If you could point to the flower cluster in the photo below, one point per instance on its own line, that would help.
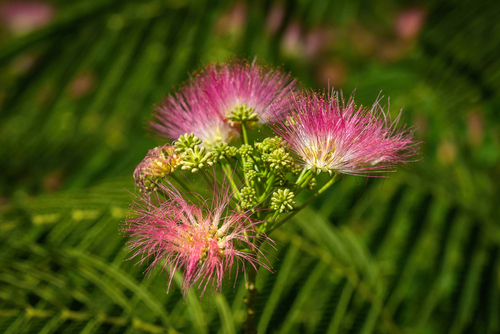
(214, 102)
(210, 119)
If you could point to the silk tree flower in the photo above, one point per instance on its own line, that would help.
(21, 17)
(189, 111)
(244, 91)
(203, 241)
(159, 162)
(332, 136)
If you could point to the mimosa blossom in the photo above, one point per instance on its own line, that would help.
(203, 241)
(327, 134)
(241, 84)
(189, 111)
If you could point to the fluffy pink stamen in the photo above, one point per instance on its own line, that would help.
(239, 82)
(203, 241)
(330, 135)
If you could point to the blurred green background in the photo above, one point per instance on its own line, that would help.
(415, 253)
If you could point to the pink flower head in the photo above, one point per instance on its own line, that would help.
(331, 136)
(25, 16)
(201, 240)
(159, 162)
(189, 111)
(205, 103)
(239, 83)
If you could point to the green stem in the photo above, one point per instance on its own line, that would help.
(227, 171)
(306, 203)
(308, 176)
(301, 175)
(250, 298)
(304, 178)
(270, 183)
(244, 131)
(243, 158)
(271, 219)
(182, 184)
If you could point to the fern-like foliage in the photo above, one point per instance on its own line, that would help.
(417, 253)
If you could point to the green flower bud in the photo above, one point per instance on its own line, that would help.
(245, 150)
(251, 174)
(268, 145)
(242, 113)
(296, 170)
(248, 197)
(248, 165)
(196, 158)
(223, 151)
(312, 184)
(280, 159)
(281, 180)
(283, 200)
(186, 141)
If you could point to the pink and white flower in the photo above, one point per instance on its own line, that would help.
(22, 17)
(205, 103)
(203, 240)
(190, 111)
(327, 134)
(253, 85)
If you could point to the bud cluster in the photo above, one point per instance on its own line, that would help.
(194, 159)
(248, 198)
(242, 113)
(283, 200)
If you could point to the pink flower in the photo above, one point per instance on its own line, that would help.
(238, 83)
(409, 22)
(202, 240)
(159, 162)
(205, 103)
(190, 111)
(25, 16)
(331, 136)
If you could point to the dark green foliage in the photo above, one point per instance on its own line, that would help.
(416, 253)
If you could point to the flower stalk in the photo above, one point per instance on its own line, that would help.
(249, 300)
